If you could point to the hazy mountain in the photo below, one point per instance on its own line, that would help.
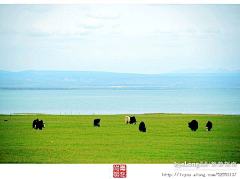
(207, 70)
(78, 79)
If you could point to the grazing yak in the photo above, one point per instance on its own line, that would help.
(34, 125)
(127, 119)
(96, 122)
(209, 126)
(130, 120)
(193, 125)
(142, 127)
(38, 124)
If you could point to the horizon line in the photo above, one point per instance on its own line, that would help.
(171, 72)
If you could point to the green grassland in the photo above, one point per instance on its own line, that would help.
(73, 139)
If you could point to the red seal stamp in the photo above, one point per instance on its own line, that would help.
(119, 171)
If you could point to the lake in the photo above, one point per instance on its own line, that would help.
(220, 101)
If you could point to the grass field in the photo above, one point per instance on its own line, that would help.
(73, 139)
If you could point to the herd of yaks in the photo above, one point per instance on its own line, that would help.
(128, 120)
(193, 125)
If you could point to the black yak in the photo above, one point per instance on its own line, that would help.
(193, 125)
(208, 126)
(132, 120)
(96, 122)
(34, 125)
(142, 127)
(38, 124)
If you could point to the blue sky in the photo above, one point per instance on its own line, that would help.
(119, 38)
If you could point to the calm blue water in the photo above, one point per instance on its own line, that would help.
(120, 101)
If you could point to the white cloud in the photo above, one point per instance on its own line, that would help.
(211, 30)
(5, 30)
(37, 33)
(39, 8)
(176, 30)
(82, 32)
(90, 23)
(103, 14)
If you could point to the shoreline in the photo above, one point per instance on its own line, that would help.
(160, 88)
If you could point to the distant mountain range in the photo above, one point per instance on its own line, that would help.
(203, 79)
(207, 70)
